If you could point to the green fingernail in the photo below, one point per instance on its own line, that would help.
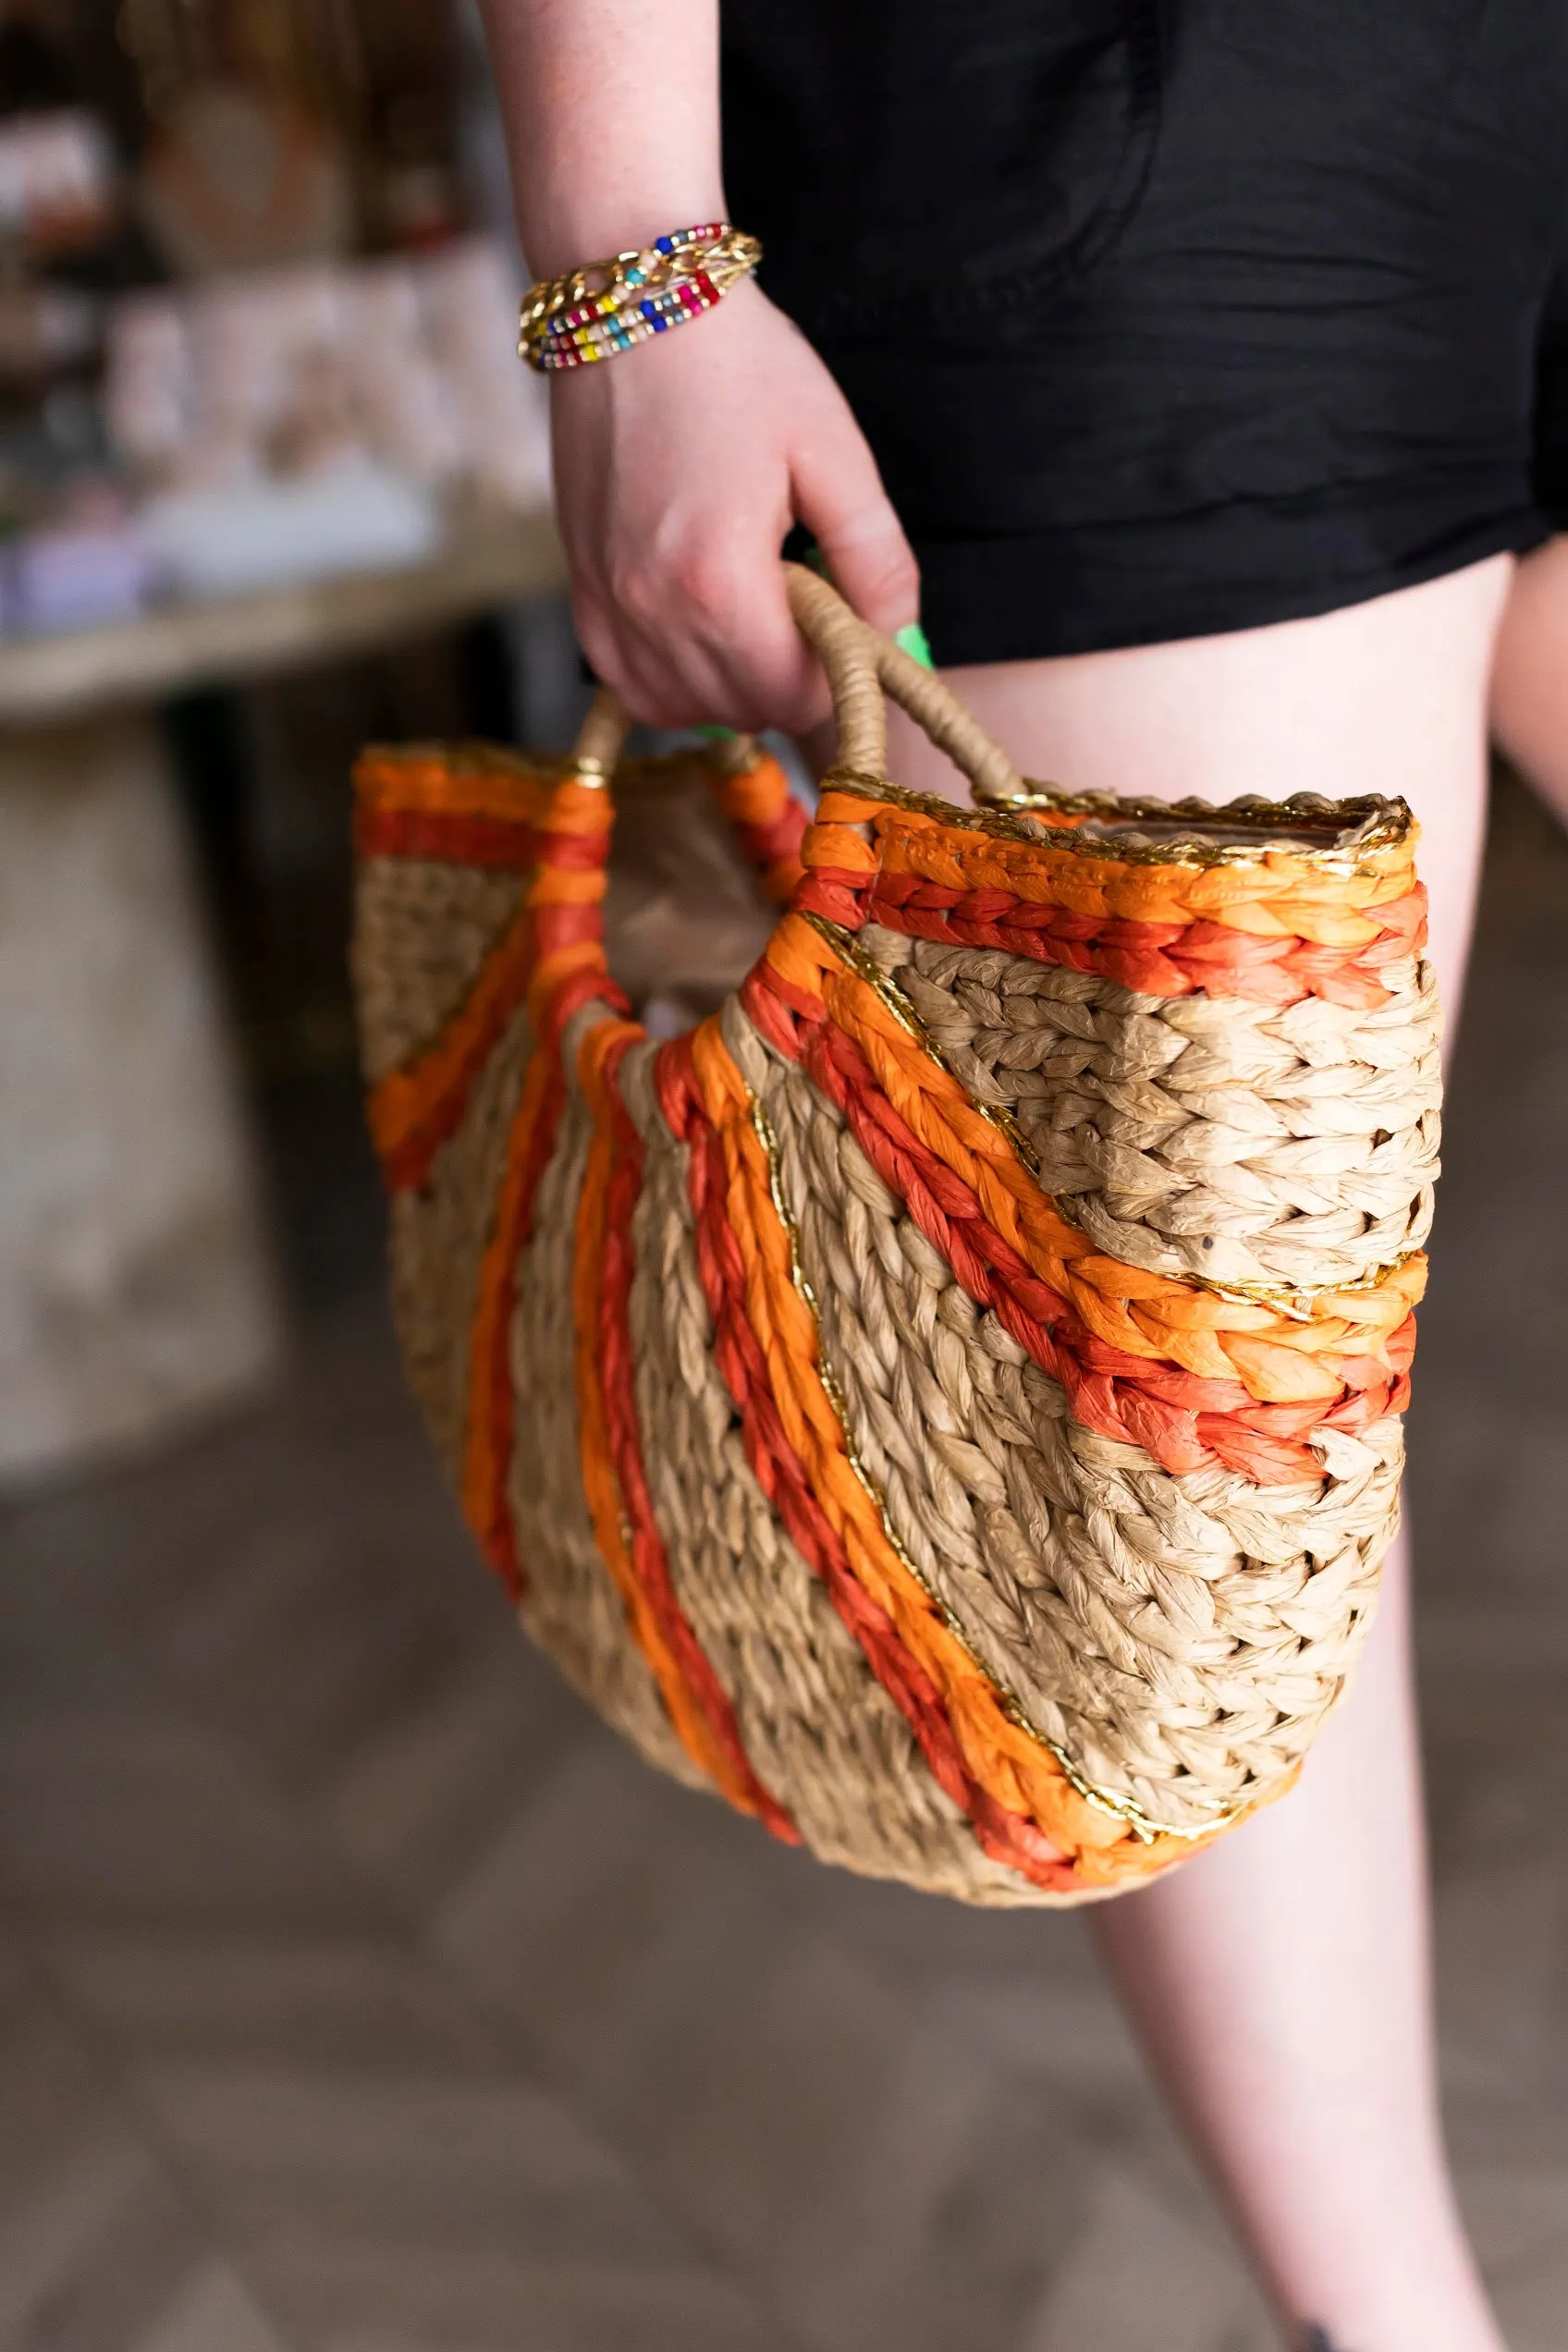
(816, 561)
(910, 640)
(715, 734)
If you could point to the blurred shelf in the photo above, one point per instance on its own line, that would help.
(223, 642)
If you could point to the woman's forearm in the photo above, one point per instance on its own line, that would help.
(681, 466)
(611, 113)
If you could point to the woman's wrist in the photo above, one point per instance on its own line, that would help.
(612, 118)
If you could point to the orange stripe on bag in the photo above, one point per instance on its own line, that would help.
(770, 822)
(1006, 1837)
(783, 1477)
(413, 1112)
(1147, 1315)
(1012, 1767)
(488, 1445)
(631, 1549)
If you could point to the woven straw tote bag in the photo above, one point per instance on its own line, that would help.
(946, 1402)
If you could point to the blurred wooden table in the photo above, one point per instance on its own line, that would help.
(135, 1277)
(47, 681)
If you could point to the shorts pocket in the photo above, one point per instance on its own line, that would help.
(916, 163)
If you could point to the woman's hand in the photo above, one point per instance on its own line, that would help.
(679, 467)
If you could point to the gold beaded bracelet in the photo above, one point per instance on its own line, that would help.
(594, 313)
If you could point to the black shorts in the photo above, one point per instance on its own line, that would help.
(1165, 317)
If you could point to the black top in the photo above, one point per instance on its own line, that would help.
(1165, 317)
(911, 160)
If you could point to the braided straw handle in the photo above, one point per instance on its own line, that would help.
(863, 666)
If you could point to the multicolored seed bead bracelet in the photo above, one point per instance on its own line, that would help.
(592, 313)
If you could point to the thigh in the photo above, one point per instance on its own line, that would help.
(1530, 683)
(1388, 696)
(1530, 676)
(1549, 451)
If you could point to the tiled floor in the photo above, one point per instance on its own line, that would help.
(358, 1994)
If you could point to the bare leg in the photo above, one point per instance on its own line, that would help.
(1280, 1982)
(1280, 1985)
(1530, 678)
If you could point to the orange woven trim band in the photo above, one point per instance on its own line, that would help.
(1152, 1314)
(488, 1445)
(432, 783)
(414, 1110)
(1155, 1314)
(507, 844)
(1280, 1359)
(770, 822)
(1183, 1423)
(565, 895)
(1157, 959)
(1276, 896)
(1025, 1811)
(1085, 1320)
(480, 808)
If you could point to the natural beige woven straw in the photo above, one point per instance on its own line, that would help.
(946, 1398)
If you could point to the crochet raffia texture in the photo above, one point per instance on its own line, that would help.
(845, 1388)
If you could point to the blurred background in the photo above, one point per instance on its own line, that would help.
(272, 481)
(358, 1993)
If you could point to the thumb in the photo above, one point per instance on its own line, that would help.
(838, 494)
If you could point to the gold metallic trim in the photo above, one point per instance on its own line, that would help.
(1122, 1808)
(1355, 831)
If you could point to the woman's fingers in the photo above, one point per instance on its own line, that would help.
(712, 650)
(700, 635)
(838, 494)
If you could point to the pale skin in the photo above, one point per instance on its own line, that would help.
(1281, 1983)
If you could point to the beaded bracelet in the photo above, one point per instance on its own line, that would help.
(594, 313)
